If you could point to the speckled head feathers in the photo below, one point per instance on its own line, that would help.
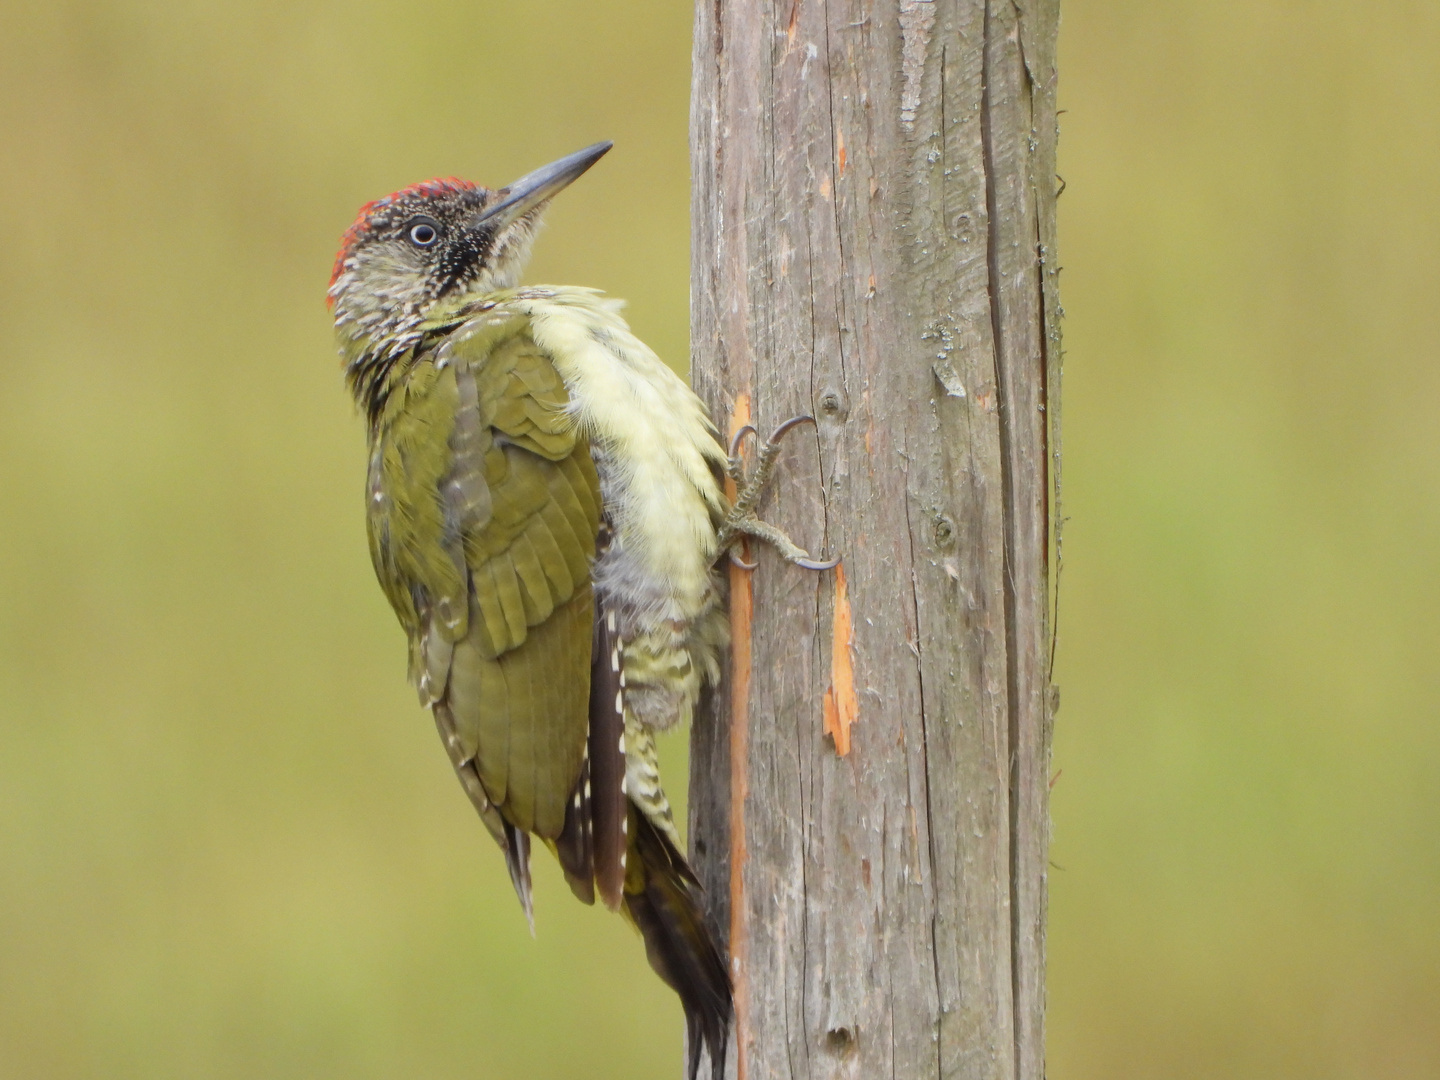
(405, 203)
(436, 239)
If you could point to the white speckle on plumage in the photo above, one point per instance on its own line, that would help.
(577, 800)
(622, 744)
(587, 789)
(624, 788)
(615, 662)
(620, 708)
(610, 621)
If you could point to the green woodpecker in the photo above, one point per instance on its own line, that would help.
(545, 515)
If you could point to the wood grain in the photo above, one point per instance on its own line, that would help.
(873, 229)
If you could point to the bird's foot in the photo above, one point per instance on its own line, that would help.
(742, 521)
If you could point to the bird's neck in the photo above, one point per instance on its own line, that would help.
(374, 366)
(378, 354)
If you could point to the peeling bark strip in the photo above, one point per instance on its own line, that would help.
(917, 18)
(873, 244)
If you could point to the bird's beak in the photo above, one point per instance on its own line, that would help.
(534, 188)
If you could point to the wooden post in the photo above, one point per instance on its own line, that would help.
(874, 220)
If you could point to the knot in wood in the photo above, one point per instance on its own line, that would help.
(944, 532)
(840, 1041)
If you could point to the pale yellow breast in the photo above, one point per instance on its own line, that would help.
(664, 499)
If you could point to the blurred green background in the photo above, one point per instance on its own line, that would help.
(230, 845)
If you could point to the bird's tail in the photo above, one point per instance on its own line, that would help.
(664, 900)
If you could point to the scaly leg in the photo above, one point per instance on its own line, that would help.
(742, 520)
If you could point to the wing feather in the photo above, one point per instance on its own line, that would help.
(483, 535)
(576, 562)
(535, 586)
(557, 570)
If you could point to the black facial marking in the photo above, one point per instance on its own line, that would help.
(437, 229)
(460, 257)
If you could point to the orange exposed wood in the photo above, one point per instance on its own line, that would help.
(742, 607)
(841, 708)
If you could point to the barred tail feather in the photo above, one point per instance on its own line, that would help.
(606, 754)
(591, 846)
(575, 846)
(663, 899)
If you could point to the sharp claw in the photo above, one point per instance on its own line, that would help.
(743, 520)
(739, 437)
(794, 422)
(741, 563)
(813, 564)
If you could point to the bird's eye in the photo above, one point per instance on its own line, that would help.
(422, 233)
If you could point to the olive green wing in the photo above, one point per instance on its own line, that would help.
(485, 506)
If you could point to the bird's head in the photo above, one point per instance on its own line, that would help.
(436, 240)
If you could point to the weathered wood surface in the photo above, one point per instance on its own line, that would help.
(873, 223)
